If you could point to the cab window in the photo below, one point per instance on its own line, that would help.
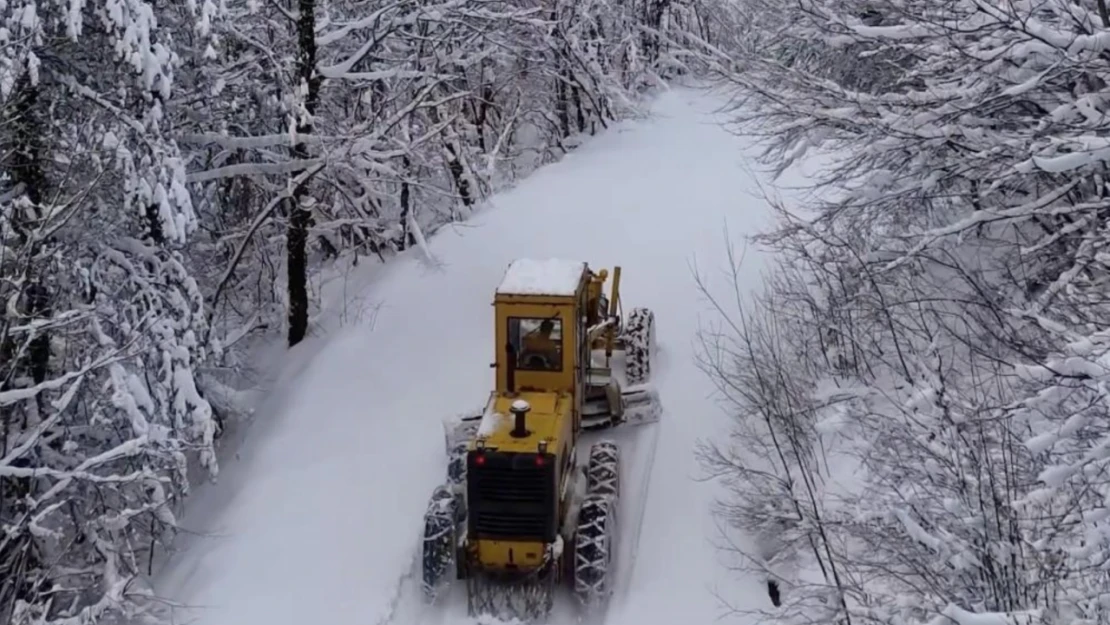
(537, 343)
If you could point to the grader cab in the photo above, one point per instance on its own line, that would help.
(520, 514)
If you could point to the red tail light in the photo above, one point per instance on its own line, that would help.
(479, 460)
(539, 461)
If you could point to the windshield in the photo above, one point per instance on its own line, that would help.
(537, 342)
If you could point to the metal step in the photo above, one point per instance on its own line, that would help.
(598, 376)
(593, 407)
(597, 422)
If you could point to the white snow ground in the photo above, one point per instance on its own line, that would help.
(317, 517)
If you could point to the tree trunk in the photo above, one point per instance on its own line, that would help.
(452, 149)
(581, 116)
(299, 215)
(562, 106)
(20, 560)
(407, 239)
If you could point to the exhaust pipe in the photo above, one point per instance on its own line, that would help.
(519, 409)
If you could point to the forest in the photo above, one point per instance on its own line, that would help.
(919, 393)
(174, 175)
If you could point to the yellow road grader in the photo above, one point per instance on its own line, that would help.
(520, 514)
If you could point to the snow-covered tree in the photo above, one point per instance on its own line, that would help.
(102, 321)
(409, 116)
(941, 305)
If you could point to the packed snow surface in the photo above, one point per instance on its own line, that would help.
(316, 517)
(552, 276)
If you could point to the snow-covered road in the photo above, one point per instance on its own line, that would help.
(318, 517)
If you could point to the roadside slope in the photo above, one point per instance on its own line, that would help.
(320, 515)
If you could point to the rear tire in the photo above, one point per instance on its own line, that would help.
(595, 533)
(594, 543)
(639, 340)
(441, 521)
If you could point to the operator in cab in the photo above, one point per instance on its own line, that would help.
(541, 351)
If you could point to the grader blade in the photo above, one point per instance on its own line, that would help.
(641, 406)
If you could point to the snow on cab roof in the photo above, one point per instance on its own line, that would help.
(552, 276)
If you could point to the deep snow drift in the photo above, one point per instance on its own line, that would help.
(317, 517)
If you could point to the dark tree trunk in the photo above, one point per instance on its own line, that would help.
(458, 174)
(481, 115)
(407, 238)
(20, 562)
(27, 169)
(654, 10)
(454, 163)
(578, 108)
(773, 593)
(562, 106)
(299, 218)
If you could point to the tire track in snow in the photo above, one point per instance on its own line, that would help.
(627, 565)
(404, 582)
